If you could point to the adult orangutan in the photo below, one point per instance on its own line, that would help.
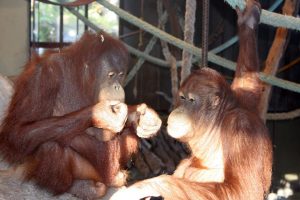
(65, 103)
(231, 155)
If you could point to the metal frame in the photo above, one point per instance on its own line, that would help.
(34, 43)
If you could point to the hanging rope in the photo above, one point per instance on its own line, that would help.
(169, 58)
(189, 29)
(222, 62)
(181, 44)
(205, 32)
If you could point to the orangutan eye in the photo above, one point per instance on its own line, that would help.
(181, 95)
(111, 74)
(121, 74)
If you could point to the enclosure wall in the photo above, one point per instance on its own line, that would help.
(13, 36)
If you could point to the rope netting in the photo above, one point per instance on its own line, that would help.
(267, 17)
(198, 51)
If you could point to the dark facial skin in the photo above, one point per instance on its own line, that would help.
(108, 88)
(112, 89)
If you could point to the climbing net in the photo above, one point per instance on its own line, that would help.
(267, 17)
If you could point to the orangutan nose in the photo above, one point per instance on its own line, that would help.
(117, 86)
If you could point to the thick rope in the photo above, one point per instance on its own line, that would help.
(267, 17)
(189, 29)
(196, 51)
(234, 39)
(141, 61)
(237, 3)
(168, 57)
(205, 32)
(268, 79)
(284, 116)
(216, 50)
(275, 19)
(147, 50)
(288, 85)
(132, 50)
(276, 54)
(165, 36)
(163, 63)
(270, 18)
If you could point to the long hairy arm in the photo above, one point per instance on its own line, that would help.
(30, 120)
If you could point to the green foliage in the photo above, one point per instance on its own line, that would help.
(47, 21)
(104, 18)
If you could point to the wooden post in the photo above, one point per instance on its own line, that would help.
(276, 53)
